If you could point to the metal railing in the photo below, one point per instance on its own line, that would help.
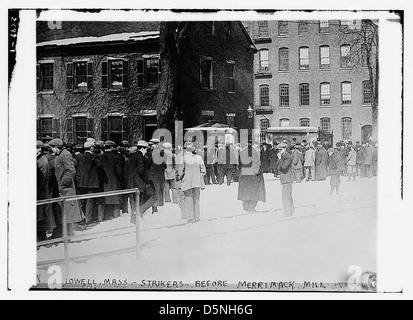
(66, 238)
(262, 68)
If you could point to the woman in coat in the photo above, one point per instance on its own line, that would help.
(65, 173)
(191, 171)
(251, 182)
(321, 158)
(334, 169)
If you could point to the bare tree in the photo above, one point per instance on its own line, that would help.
(168, 99)
(363, 38)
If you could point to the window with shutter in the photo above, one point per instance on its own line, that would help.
(56, 129)
(116, 75)
(231, 77)
(140, 72)
(80, 130)
(46, 76)
(69, 77)
(125, 129)
(80, 79)
(214, 76)
(89, 127)
(105, 75)
(125, 77)
(69, 131)
(104, 129)
(152, 71)
(38, 78)
(46, 126)
(90, 76)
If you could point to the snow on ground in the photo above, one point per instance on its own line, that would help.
(326, 236)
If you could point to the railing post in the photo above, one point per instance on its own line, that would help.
(65, 239)
(137, 222)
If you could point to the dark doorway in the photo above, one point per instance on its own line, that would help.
(151, 125)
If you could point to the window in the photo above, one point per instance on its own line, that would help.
(344, 25)
(284, 122)
(304, 94)
(367, 99)
(264, 95)
(208, 74)
(45, 76)
(115, 128)
(231, 76)
(346, 130)
(325, 94)
(48, 126)
(324, 57)
(282, 28)
(82, 76)
(264, 60)
(263, 30)
(345, 58)
(152, 71)
(304, 58)
(325, 124)
(115, 74)
(305, 122)
(283, 56)
(346, 93)
(284, 96)
(79, 128)
(302, 28)
(324, 26)
(264, 124)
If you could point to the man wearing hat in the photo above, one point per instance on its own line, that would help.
(88, 171)
(286, 169)
(156, 174)
(297, 164)
(45, 218)
(191, 171)
(170, 174)
(65, 173)
(137, 177)
(309, 163)
(112, 168)
(321, 163)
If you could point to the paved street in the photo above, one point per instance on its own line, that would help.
(326, 236)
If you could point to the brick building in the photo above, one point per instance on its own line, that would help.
(97, 80)
(304, 77)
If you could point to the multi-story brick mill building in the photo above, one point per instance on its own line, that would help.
(304, 77)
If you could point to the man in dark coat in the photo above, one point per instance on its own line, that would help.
(138, 178)
(265, 159)
(209, 160)
(285, 167)
(251, 182)
(156, 174)
(111, 166)
(65, 173)
(89, 169)
(321, 163)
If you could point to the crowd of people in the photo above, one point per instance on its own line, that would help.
(164, 175)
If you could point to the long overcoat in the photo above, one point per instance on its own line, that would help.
(251, 181)
(112, 168)
(156, 174)
(65, 172)
(321, 163)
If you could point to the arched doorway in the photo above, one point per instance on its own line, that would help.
(366, 132)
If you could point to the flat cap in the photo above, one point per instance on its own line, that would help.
(89, 144)
(155, 141)
(110, 144)
(282, 145)
(56, 143)
(142, 144)
(100, 144)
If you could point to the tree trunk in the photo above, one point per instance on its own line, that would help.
(167, 91)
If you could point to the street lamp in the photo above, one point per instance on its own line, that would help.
(250, 112)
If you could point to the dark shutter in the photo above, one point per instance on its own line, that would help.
(38, 78)
(39, 136)
(89, 127)
(125, 76)
(214, 84)
(140, 71)
(105, 75)
(69, 131)
(125, 129)
(90, 76)
(104, 129)
(56, 128)
(69, 76)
